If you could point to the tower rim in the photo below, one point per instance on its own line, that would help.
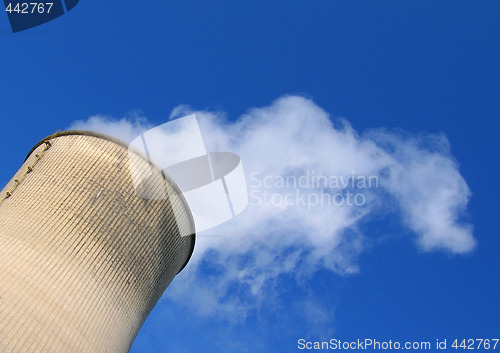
(139, 153)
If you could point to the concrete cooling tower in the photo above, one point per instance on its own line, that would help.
(83, 257)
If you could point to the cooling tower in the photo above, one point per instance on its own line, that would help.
(83, 258)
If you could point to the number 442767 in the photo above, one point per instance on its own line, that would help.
(30, 7)
(477, 343)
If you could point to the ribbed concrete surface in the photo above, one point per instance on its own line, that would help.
(83, 259)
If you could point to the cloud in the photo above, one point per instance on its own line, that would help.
(125, 129)
(313, 185)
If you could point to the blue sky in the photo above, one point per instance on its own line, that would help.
(407, 69)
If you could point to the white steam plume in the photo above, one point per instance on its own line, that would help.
(298, 166)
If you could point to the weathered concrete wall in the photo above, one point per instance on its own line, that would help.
(83, 259)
